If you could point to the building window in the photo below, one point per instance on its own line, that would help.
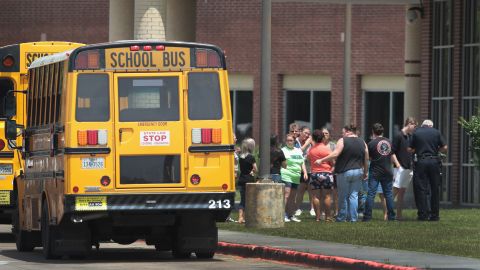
(385, 108)
(442, 98)
(242, 113)
(308, 108)
(470, 185)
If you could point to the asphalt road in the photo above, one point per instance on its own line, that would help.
(118, 257)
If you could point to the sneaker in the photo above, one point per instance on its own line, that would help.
(294, 218)
(298, 212)
(286, 219)
(312, 212)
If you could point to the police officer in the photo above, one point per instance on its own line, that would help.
(426, 143)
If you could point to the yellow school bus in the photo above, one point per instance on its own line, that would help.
(15, 60)
(125, 141)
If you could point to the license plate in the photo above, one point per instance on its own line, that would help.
(93, 163)
(4, 197)
(6, 169)
(91, 203)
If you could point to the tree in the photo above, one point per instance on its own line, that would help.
(472, 128)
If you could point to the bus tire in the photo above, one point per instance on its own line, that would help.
(48, 235)
(23, 239)
(205, 255)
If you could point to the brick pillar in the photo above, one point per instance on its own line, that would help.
(150, 19)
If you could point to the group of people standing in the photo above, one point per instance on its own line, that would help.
(335, 171)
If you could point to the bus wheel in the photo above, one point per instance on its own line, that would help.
(23, 239)
(205, 255)
(48, 235)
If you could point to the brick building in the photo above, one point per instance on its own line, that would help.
(308, 59)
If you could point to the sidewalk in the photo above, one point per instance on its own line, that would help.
(327, 254)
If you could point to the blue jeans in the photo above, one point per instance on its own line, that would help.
(387, 185)
(348, 185)
(362, 196)
(276, 178)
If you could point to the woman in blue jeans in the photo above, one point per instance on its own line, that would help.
(351, 168)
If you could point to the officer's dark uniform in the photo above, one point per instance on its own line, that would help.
(426, 141)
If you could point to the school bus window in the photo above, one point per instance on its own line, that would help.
(31, 79)
(38, 98)
(204, 101)
(148, 99)
(152, 169)
(93, 104)
(59, 93)
(53, 93)
(5, 86)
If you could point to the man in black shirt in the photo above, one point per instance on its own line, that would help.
(380, 172)
(426, 143)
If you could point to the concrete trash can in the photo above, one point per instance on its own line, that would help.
(264, 205)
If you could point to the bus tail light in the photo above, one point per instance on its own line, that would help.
(82, 137)
(224, 187)
(75, 189)
(2, 144)
(88, 60)
(196, 135)
(102, 137)
(206, 135)
(216, 135)
(205, 58)
(92, 137)
(195, 179)
(8, 61)
(105, 181)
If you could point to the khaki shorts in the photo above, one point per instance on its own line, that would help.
(402, 177)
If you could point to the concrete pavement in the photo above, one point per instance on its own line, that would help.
(327, 254)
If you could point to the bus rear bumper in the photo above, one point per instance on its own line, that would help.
(167, 206)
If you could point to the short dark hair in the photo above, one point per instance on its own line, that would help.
(274, 141)
(317, 135)
(352, 128)
(410, 120)
(377, 129)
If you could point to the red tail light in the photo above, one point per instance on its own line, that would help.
(2, 144)
(92, 137)
(206, 135)
(195, 179)
(105, 181)
(224, 186)
(75, 189)
(8, 61)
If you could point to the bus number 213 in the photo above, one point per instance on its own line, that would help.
(212, 204)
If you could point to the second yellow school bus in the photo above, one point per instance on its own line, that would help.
(15, 60)
(124, 141)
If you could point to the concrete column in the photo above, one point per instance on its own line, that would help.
(412, 75)
(412, 61)
(150, 19)
(264, 205)
(121, 20)
(181, 15)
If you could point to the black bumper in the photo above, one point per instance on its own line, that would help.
(217, 204)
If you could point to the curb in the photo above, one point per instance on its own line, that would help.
(310, 259)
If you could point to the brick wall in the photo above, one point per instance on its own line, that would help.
(306, 39)
(83, 21)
